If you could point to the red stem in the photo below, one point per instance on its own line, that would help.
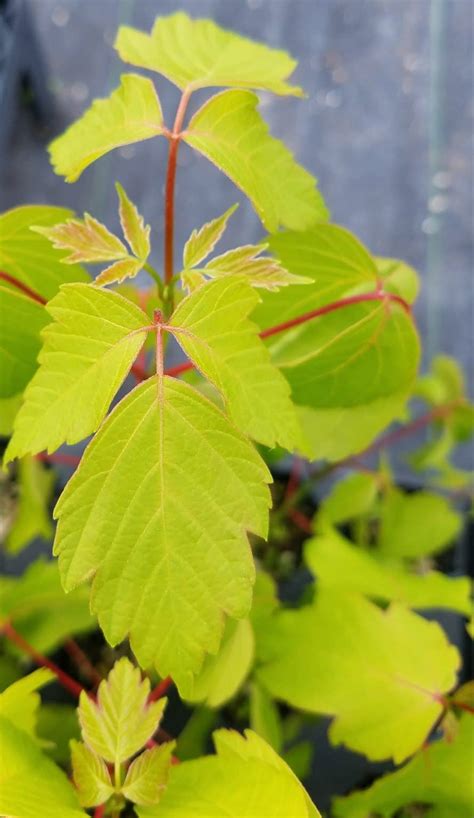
(23, 287)
(58, 457)
(99, 812)
(82, 661)
(63, 678)
(174, 138)
(160, 689)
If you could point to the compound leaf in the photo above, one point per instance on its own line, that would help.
(199, 54)
(30, 784)
(201, 242)
(88, 350)
(158, 510)
(439, 776)
(119, 271)
(399, 666)
(90, 775)
(86, 240)
(245, 779)
(134, 229)
(212, 327)
(121, 721)
(132, 113)
(264, 272)
(229, 130)
(148, 775)
(345, 567)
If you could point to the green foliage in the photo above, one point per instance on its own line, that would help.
(202, 242)
(32, 516)
(398, 665)
(413, 525)
(22, 322)
(20, 701)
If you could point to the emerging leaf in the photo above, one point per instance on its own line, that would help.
(398, 663)
(30, 784)
(244, 780)
(119, 271)
(90, 775)
(199, 54)
(438, 777)
(19, 702)
(142, 514)
(212, 327)
(229, 130)
(88, 350)
(132, 113)
(261, 271)
(87, 240)
(201, 242)
(122, 720)
(148, 775)
(134, 229)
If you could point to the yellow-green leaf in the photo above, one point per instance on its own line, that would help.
(148, 775)
(90, 775)
(130, 114)
(20, 327)
(86, 240)
(119, 271)
(19, 702)
(121, 721)
(196, 53)
(264, 272)
(134, 229)
(164, 536)
(201, 242)
(229, 130)
(32, 515)
(417, 524)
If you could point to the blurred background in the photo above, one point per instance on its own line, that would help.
(386, 127)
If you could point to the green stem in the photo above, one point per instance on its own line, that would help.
(155, 276)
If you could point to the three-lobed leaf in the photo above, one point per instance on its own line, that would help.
(158, 512)
(132, 113)
(213, 328)
(196, 53)
(88, 350)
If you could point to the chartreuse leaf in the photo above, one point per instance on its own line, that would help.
(223, 674)
(399, 278)
(244, 780)
(200, 54)
(90, 775)
(39, 609)
(32, 516)
(132, 113)
(121, 721)
(19, 702)
(438, 778)
(202, 242)
(264, 272)
(339, 565)
(57, 724)
(229, 130)
(264, 717)
(87, 352)
(399, 666)
(30, 784)
(29, 256)
(86, 240)
(22, 321)
(212, 327)
(136, 232)
(414, 525)
(351, 497)
(165, 537)
(148, 775)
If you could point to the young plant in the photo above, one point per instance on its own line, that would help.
(306, 344)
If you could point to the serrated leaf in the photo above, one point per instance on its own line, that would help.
(121, 721)
(86, 239)
(39, 609)
(212, 327)
(264, 272)
(88, 350)
(229, 130)
(197, 53)
(119, 271)
(191, 280)
(19, 703)
(201, 242)
(90, 775)
(399, 666)
(178, 544)
(32, 517)
(22, 321)
(339, 565)
(244, 780)
(399, 278)
(417, 524)
(349, 498)
(438, 777)
(223, 674)
(134, 229)
(132, 113)
(30, 784)
(30, 257)
(148, 775)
